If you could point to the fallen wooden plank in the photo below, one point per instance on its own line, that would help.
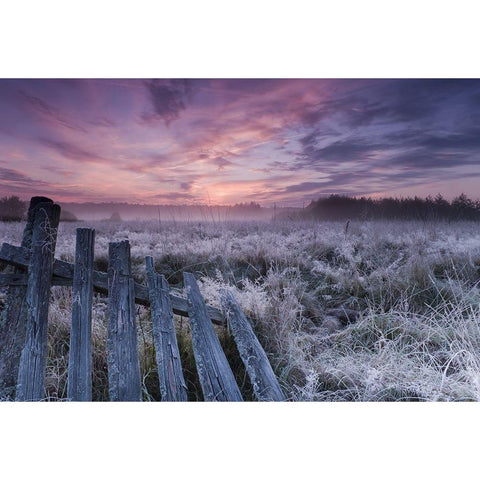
(33, 360)
(19, 257)
(13, 319)
(79, 385)
(216, 377)
(170, 375)
(124, 382)
(265, 384)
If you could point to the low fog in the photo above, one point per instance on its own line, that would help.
(181, 213)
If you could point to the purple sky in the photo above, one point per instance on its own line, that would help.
(228, 141)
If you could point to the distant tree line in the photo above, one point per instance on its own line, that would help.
(339, 207)
(12, 209)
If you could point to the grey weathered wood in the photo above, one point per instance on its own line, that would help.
(31, 372)
(13, 279)
(216, 377)
(170, 375)
(79, 386)
(265, 384)
(12, 319)
(122, 350)
(19, 257)
(21, 279)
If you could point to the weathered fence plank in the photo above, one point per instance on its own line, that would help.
(264, 382)
(21, 279)
(12, 279)
(79, 386)
(19, 257)
(216, 377)
(122, 350)
(31, 372)
(170, 375)
(12, 321)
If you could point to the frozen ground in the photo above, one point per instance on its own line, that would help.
(411, 290)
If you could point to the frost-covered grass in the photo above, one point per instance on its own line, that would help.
(414, 285)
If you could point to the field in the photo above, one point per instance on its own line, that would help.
(365, 311)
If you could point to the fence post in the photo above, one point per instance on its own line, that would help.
(31, 372)
(79, 387)
(170, 375)
(122, 351)
(216, 377)
(12, 322)
(265, 384)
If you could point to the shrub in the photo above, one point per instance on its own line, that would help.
(115, 217)
(66, 216)
(12, 209)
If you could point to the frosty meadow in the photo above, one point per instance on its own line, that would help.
(381, 310)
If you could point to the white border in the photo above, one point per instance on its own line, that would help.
(239, 39)
(252, 38)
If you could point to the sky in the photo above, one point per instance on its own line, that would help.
(224, 141)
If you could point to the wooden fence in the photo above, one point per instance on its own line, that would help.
(23, 327)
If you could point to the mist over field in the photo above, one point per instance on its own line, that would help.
(169, 213)
(331, 207)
